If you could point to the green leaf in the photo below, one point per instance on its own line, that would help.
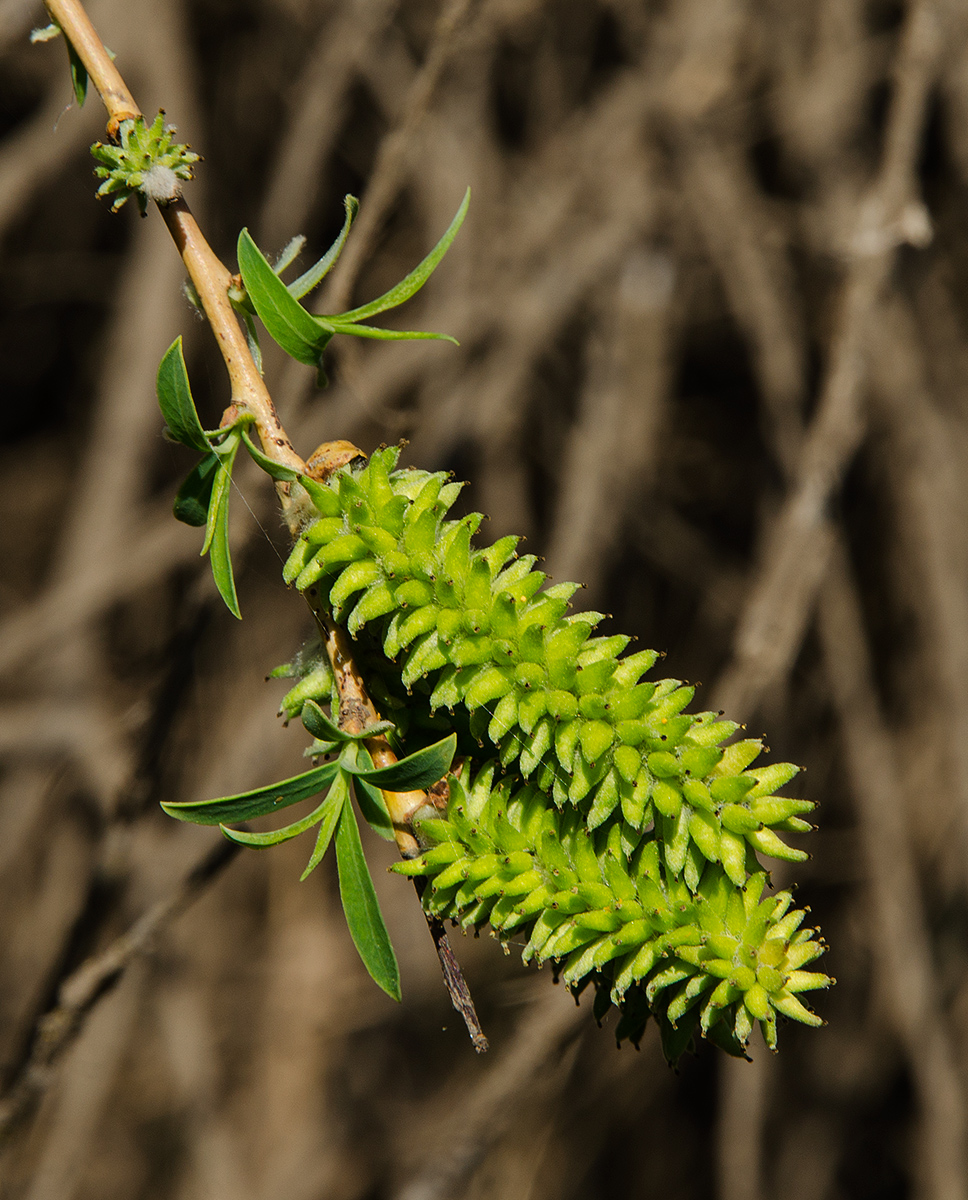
(420, 770)
(247, 805)
(417, 277)
(252, 338)
(336, 800)
(318, 747)
(217, 531)
(373, 807)
(269, 465)
(389, 335)
(363, 916)
(322, 727)
(306, 282)
(175, 400)
(78, 74)
(195, 494)
(371, 802)
(274, 836)
(290, 252)
(301, 335)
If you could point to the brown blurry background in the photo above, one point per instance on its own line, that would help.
(712, 299)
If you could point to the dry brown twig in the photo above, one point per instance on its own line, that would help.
(58, 1029)
(899, 928)
(391, 160)
(796, 547)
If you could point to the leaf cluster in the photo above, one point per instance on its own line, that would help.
(350, 771)
(203, 498)
(305, 336)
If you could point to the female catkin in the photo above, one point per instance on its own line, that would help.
(593, 817)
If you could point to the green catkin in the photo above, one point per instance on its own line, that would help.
(621, 842)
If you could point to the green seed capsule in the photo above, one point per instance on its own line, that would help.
(628, 762)
(631, 669)
(355, 578)
(470, 650)
(767, 842)
(593, 707)
(377, 540)
(531, 709)
(297, 560)
(730, 789)
(595, 738)
(425, 656)
(323, 531)
(375, 602)
(487, 685)
(345, 549)
(666, 798)
(704, 831)
(772, 810)
(595, 679)
(631, 704)
(529, 675)
(420, 621)
(413, 593)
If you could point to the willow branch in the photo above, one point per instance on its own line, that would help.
(209, 275)
(212, 279)
(77, 28)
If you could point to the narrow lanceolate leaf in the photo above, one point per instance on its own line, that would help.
(257, 803)
(195, 494)
(332, 809)
(316, 273)
(321, 726)
(175, 400)
(272, 468)
(252, 338)
(363, 916)
(217, 532)
(301, 335)
(273, 837)
(417, 277)
(420, 770)
(290, 252)
(373, 807)
(78, 74)
(389, 335)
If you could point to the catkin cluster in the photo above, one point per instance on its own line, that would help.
(592, 815)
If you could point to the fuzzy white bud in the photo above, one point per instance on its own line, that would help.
(162, 185)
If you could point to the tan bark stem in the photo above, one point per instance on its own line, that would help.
(212, 281)
(356, 712)
(77, 27)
